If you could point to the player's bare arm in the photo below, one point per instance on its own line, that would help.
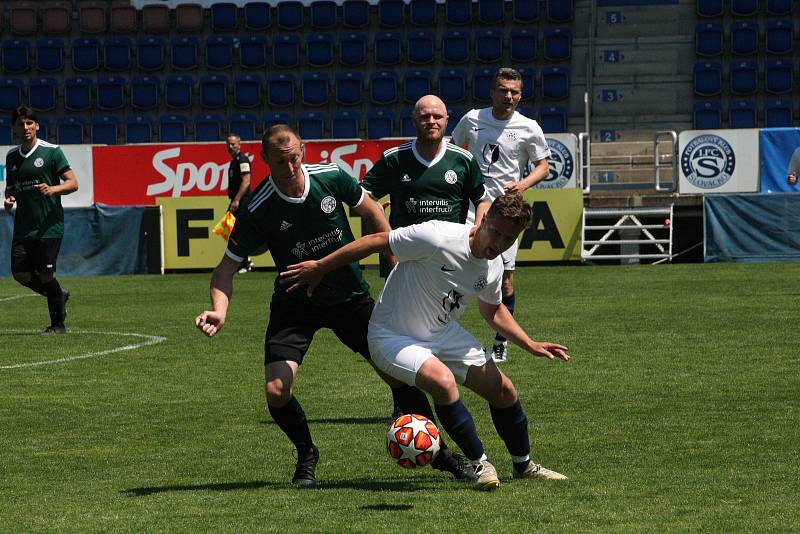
(540, 171)
(69, 184)
(211, 321)
(499, 318)
(481, 209)
(372, 214)
(8, 202)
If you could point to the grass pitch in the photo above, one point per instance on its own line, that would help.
(678, 412)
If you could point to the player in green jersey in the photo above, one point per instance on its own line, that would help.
(37, 174)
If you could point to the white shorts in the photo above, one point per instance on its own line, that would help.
(401, 356)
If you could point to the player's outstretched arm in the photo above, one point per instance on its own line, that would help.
(211, 321)
(501, 320)
(8, 203)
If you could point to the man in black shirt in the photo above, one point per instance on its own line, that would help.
(238, 183)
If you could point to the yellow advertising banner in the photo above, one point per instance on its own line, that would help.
(555, 231)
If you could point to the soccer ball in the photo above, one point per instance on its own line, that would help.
(412, 440)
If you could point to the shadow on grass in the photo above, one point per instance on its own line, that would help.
(222, 486)
(341, 420)
(386, 507)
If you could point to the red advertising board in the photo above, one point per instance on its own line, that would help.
(138, 174)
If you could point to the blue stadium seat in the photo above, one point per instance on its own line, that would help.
(44, 128)
(43, 93)
(482, 81)
(455, 46)
(150, 53)
(145, 92)
(353, 49)
(388, 48)
(78, 93)
(17, 53)
(183, 52)
(742, 114)
(708, 38)
(707, 115)
(11, 90)
(85, 54)
(491, 11)
(709, 8)
(423, 12)
(523, 44)
(416, 84)
(380, 123)
(779, 7)
(253, 51)
(528, 83)
(407, 128)
(391, 13)
(558, 44)
(319, 49)
(276, 117)
(707, 78)
(744, 38)
(383, 87)
(527, 111)
(311, 124)
(49, 55)
(280, 89)
(344, 124)
(173, 128)
(7, 131)
(778, 113)
(178, 91)
(489, 45)
(355, 14)
(452, 85)
(70, 130)
(560, 11)
(219, 52)
(117, 53)
(778, 77)
(247, 90)
(223, 17)
(553, 119)
(744, 8)
(744, 77)
(257, 16)
(208, 127)
(105, 130)
(458, 12)
(778, 37)
(555, 82)
(111, 92)
(244, 125)
(349, 87)
(323, 15)
(315, 88)
(286, 51)
(289, 14)
(213, 91)
(525, 11)
(453, 116)
(421, 46)
(138, 129)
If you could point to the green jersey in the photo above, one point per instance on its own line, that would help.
(37, 216)
(423, 190)
(305, 228)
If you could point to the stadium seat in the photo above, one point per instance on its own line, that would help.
(482, 80)
(289, 15)
(744, 38)
(273, 118)
(344, 124)
(391, 13)
(253, 51)
(380, 123)
(189, 18)
(423, 12)
(257, 16)
(709, 8)
(707, 78)
(560, 11)
(383, 87)
(319, 49)
(280, 89)
(742, 114)
(779, 7)
(525, 11)
(311, 125)
(416, 84)
(183, 52)
(145, 91)
(491, 11)
(323, 15)
(173, 128)
(11, 91)
(117, 53)
(70, 130)
(407, 128)
(744, 77)
(528, 83)
(315, 88)
(138, 129)
(553, 119)
(244, 125)
(49, 55)
(353, 49)
(558, 44)
(6, 131)
(452, 85)
(105, 130)
(286, 51)
(213, 91)
(208, 127)
(122, 17)
(355, 14)
(421, 46)
(555, 82)
(778, 113)
(155, 19)
(78, 93)
(56, 17)
(455, 46)
(388, 48)
(150, 53)
(44, 128)
(16, 54)
(707, 115)
(778, 37)
(744, 8)
(453, 116)
(489, 45)
(219, 51)
(247, 90)
(349, 87)
(458, 12)
(223, 17)
(522, 44)
(22, 18)
(778, 77)
(178, 91)
(111, 92)
(527, 111)
(85, 54)
(708, 39)
(42, 93)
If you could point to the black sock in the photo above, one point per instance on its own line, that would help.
(292, 420)
(512, 426)
(411, 399)
(509, 301)
(54, 302)
(458, 422)
(36, 285)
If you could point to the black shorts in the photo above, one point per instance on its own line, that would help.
(292, 327)
(34, 255)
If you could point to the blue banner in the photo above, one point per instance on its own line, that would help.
(777, 146)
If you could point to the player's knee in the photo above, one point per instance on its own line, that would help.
(45, 277)
(505, 395)
(441, 384)
(278, 392)
(23, 278)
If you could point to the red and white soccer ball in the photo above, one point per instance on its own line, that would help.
(412, 441)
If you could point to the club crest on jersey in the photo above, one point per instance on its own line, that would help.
(450, 177)
(38, 162)
(511, 135)
(299, 250)
(480, 283)
(411, 205)
(328, 204)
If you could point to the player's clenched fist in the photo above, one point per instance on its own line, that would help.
(209, 322)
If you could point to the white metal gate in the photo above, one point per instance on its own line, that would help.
(629, 235)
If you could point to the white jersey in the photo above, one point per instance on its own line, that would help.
(503, 148)
(435, 278)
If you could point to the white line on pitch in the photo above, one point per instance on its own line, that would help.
(15, 297)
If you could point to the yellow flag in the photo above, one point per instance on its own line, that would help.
(225, 225)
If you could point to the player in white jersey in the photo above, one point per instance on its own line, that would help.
(414, 335)
(504, 141)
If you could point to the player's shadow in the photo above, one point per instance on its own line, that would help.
(341, 420)
(221, 486)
